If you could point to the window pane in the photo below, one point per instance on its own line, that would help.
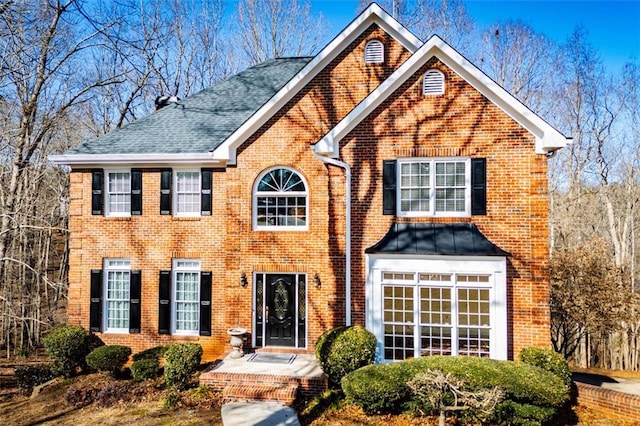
(287, 187)
(117, 294)
(474, 321)
(187, 298)
(119, 192)
(188, 192)
(398, 320)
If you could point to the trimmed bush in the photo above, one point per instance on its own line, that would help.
(531, 395)
(30, 376)
(345, 349)
(109, 358)
(549, 360)
(68, 347)
(181, 361)
(145, 368)
(156, 352)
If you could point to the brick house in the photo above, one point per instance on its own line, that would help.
(384, 182)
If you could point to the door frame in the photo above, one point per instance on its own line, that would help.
(258, 302)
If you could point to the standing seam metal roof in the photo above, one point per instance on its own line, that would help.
(449, 239)
(201, 122)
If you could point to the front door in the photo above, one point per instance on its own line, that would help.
(280, 310)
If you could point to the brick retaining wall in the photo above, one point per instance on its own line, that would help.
(619, 405)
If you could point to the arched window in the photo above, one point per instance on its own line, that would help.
(280, 200)
(433, 83)
(374, 52)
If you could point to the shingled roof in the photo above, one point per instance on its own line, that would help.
(201, 122)
(448, 239)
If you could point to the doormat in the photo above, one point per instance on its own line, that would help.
(272, 358)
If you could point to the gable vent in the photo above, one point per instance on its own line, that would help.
(374, 52)
(433, 83)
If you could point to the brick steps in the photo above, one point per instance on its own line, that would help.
(250, 391)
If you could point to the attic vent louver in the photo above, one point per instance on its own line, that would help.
(374, 52)
(433, 83)
(163, 101)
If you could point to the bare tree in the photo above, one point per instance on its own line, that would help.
(43, 45)
(270, 29)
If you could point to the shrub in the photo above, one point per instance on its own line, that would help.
(145, 368)
(345, 349)
(181, 361)
(380, 388)
(548, 360)
(531, 395)
(30, 376)
(109, 358)
(67, 346)
(156, 352)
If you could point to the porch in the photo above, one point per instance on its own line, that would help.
(266, 376)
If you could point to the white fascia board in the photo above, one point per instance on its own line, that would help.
(132, 160)
(547, 138)
(374, 14)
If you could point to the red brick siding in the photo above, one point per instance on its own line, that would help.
(618, 405)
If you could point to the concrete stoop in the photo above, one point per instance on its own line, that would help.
(258, 414)
(284, 393)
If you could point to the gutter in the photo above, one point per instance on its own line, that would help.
(347, 278)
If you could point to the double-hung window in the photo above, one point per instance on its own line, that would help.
(186, 305)
(185, 299)
(185, 192)
(115, 298)
(117, 294)
(434, 187)
(118, 193)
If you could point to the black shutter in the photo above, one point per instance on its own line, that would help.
(205, 303)
(97, 185)
(205, 193)
(165, 191)
(389, 187)
(95, 309)
(164, 308)
(136, 192)
(135, 289)
(479, 186)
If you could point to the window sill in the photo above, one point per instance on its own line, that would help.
(186, 218)
(124, 218)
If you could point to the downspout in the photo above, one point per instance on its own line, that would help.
(347, 278)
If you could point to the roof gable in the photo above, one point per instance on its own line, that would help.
(373, 14)
(547, 138)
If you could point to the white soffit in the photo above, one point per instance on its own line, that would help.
(373, 14)
(547, 138)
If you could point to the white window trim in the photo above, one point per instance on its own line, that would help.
(430, 76)
(112, 265)
(174, 197)
(432, 192)
(254, 201)
(374, 57)
(496, 267)
(107, 194)
(174, 273)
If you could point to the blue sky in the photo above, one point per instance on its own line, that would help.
(613, 26)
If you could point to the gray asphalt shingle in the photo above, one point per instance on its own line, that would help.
(201, 122)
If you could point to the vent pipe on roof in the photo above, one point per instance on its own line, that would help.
(163, 101)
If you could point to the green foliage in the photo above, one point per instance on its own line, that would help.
(380, 388)
(67, 346)
(145, 368)
(530, 393)
(345, 349)
(155, 352)
(30, 376)
(172, 400)
(547, 360)
(109, 358)
(181, 361)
